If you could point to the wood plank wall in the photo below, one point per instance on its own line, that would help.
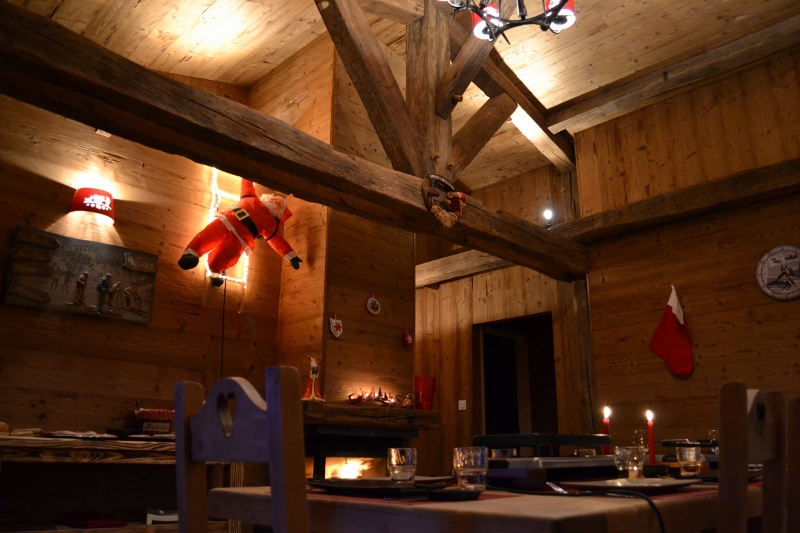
(446, 316)
(300, 92)
(367, 258)
(59, 371)
(743, 121)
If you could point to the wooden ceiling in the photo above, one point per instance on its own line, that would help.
(619, 55)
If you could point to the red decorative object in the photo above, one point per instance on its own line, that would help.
(424, 391)
(407, 340)
(650, 440)
(93, 200)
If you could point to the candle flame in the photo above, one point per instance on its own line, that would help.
(649, 415)
(606, 412)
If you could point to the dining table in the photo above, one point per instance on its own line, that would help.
(688, 509)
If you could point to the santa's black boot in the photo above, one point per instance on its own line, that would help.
(188, 261)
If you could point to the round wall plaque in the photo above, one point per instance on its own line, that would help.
(778, 272)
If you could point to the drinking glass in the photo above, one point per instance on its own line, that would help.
(629, 460)
(713, 434)
(470, 465)
(402, 463)
(689, 458)
(640, 438)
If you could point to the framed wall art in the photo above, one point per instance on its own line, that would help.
(50, 271)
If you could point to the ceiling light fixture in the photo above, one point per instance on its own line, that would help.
(93, 200)
(487, 23)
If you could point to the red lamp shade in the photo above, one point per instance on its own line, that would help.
(567, 11)
(478, 25)
(94, 201)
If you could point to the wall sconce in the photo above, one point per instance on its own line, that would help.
(93, 200)
(548, 217)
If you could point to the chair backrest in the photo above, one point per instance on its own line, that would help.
(752, 427)
(236, 425)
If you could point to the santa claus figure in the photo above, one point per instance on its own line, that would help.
(235, 231)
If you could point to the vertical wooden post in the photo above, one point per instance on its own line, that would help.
(773, 507)
(793, 465)
(427, 61)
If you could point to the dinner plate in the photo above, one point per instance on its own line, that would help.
(647, 485)
(380, 487)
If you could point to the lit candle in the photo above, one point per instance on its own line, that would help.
(650, 441)
(607, 426)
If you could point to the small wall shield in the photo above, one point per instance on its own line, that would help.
(336, 326)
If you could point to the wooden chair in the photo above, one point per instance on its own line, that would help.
(758, 427)
(249, 431)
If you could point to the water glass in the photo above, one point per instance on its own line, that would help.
(690, 459)
(402, 463)
(629, 460)
(713, 435)
(471, 465)
(640, 438)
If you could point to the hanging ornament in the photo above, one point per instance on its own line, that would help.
(373, 305)
(407, 340)
(336, 326)
(442, 199)
(312, 386)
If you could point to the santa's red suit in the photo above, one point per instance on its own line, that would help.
(235, 231)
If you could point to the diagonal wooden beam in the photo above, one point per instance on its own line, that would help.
(372, 77)
(737, 190)
(462, 71)
(479, 129)
(658, 85)
(494, 77)
(47, 65)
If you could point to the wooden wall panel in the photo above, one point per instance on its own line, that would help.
(738, 332)
(300, 93)
(743, 121)
(61, 371)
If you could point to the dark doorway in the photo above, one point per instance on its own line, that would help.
(515, 375)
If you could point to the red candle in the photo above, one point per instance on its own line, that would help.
(650, 440)
(607, 426)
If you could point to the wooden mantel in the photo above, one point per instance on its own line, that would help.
(367, 415)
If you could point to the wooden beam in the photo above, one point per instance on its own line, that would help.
(494, 77)
(462, 71)
(658, 85)
(737, 190)
(402, 11)
(372, 77)
(44, 64)
(479, 129)
(457, 266)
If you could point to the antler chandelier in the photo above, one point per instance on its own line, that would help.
(487, 24)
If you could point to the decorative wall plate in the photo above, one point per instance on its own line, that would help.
(778, 272)
(373, 305)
